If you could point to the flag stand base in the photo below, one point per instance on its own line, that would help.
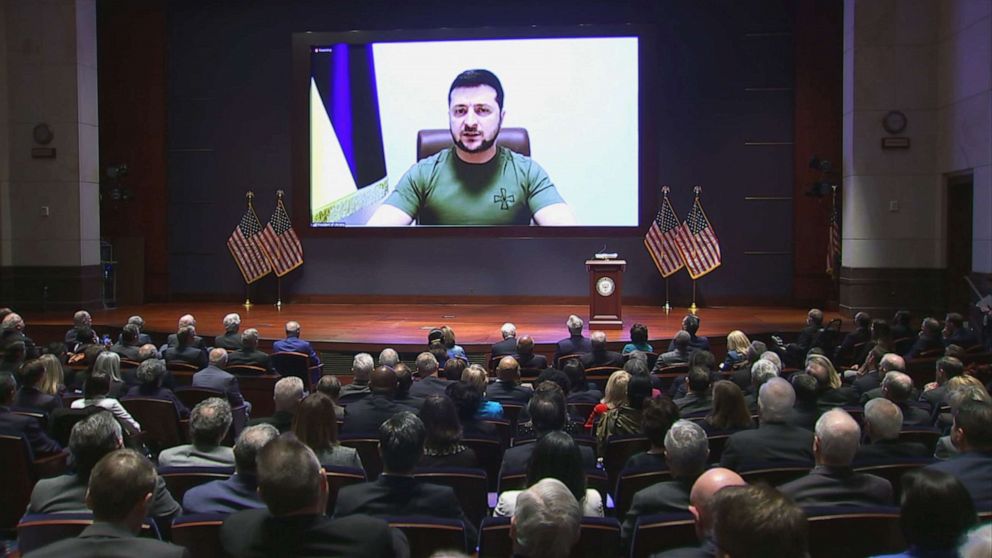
(693, 307)
(247, 304)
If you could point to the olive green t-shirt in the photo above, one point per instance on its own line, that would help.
(444, 190)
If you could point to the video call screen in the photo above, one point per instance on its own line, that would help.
(564, 143)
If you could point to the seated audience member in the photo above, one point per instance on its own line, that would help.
(127, 345)
(429, 383)
(90, 440)
(248, 354)
(148, 351)
(831, 391)
(867, 376)
(598, 354)
(186, 320)
(53, 382)
(294, 344)
(698, 399)
(216, 378)
(110, 364)
(330, 386)
(30, 397)
(389, 357)
(546, 521)
(795, 353)
(679, 354)
(95, 393)
(575, 343)
(883, 421)
(935, 392)
(120, 490)
(404, 381)
(453, 368)
(936, 514)
(240, 491)
(832, 482)
(397, 492)
(547, 410)
(625, 419)
(957, 395)
(361, 371)
(557, 456)
(139, 322)
(857, 338)
(294, 489)
(365, 415)
(150, 373)
(806, 412)
(454, 350)
(729, 412)
(977, 543)
(287, 394)
(507, 388)
(436, 347)
(508, 345)
(898, 388)
(208, 424)
(971, 434)
(85, 349)
(443, 447)
(956, 333)
(761, 371)
(737, 351)
(81, 320)
(779, 528)
(690, 325)
(701, 507)
(467, 401)
(930, 342)
(475, 375)
(638, 340)
(615, 397)
(12, 424)
(231, 340)
(525, 355)
(185, 349)
(890, 362)
(13, 357)
(12, 330)
(579, 390)
(900, 325)
(316, 425)
(774, 439)
(686, 450)
(657, 416)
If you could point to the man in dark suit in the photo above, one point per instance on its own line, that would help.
(294, 344)
(679, 353)
(599, 356)
(845, 352)
(525, 355)
(575, 343)
(121, 487)
(127, 344)
(215, 377)
(900, 325)
(249, 354)
(956, 334)
(508, 345)
(778, 529)
(368, 413)
(832, 482)
(429, 383)
(81, 320)
(701, 507)
(287, 395)
(698, 400)
(19, 425)
(231, 340)
(547, 412)
(12, 330)
(794, 353)
(690, 325)
(686, 450)
(187, 320)
(143, 338)
(507, 388)
(240, 491)
(774, 439)
(185, 349)
(972, 435)
(930, 342)
(883, 421)
(897, 387)
(397, 492)
(294, 489)
(934, 394)
(361, 369)
(29, 397)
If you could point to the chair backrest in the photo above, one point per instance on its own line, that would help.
(248, 370)
(200, 534)
(368, 450)
(293, 364)
(630, 481)
(489, 453)
(652, 359)
(776, 473)
(598, 537)
(190, 396)
(655, 533)
(503, 431)
(337, 478)
(471, 486)
(181, 366)
(618, 450)
(860, 532)
(159, 422)
(599, 375)
(560, 361)
(39, 416)
(62, 421)
(926, 436)
(511, 412)
(180, 479)
(582, 409)
(432, 141)
(37, 530)
(259, 391)
(494, 538)
(894, 471)
(16, 481)
(427, 535)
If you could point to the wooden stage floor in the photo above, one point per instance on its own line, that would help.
(347, 327)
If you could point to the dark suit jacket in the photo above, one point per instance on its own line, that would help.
(884, 451)
(250, 358)
(31, 351)
(368, 413)
(107, 540)
(696, 343)
(963, 338)
(838, 486)
(28, 428)
(594, 359)
(534, 362)
(670, 358)
(867, 382)
(282, 420)
(239, 492)
(397, 495)
(769, 442)
(846, 349)
(575, 344)
(804, 416)
(29, 398)
(129, 352)
(838, 397)
(159, 393)
(706, 550)
(173, 341)
(662, 497)
(516, 459)
(506, 347)
(189, 354)
(915, 417)
(257, 534)
(693, 404)
(974, 470)
(428, 386)
(212, 377)
(507, 392)
(924, 344)
(935, 397)
(229, 341)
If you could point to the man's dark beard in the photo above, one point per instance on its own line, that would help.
(486, 144)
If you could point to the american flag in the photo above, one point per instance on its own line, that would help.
(281, 243)
(697, 243)
(660, 240)
(247, 251)
(833, 241)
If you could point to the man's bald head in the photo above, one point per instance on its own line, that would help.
(897, 387)
(508, 369)
(775, 400)
(892, 361)
(703, 491)
(837, 437)
(218, 357)
(383, 380)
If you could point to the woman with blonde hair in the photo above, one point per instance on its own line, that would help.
(737, 347)
(53, 383)
(828, 384)
(615, 396)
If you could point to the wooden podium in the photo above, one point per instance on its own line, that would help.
(605, 286)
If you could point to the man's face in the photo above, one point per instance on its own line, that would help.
(474, 117)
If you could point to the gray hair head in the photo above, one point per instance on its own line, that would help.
(288, 390)
(249, 338)
(837, 436)
(292, 327)
(897, 386)
(12, 321)
(110, 364)
(82, 318)
(546, 520)
(251, 441)
(773, 357)
(232, 322)
(389, 357)
(218, 357)
(187, 320)
(762, 371)
(574, 324)
(686, 448)
(508, 330)
(892, 362)
(362, 367)
(136, 320)
(426, 364)
(209, 421)
(775, 400)
(883, 419)
(151, 371)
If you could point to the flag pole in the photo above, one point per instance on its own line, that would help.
(667, 306)
(692, 308)
(278, 293)
(248, 196)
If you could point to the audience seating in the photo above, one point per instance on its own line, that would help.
(37, 530)
(632, 481)
(16, 481)
(776, 473)
(582, 409)
(248, 370)
(652, 359)
(560, 361)
(717, 442)
(62, 421)
(39, 416)
(180, 479)
(296, 364)
(471, 486)
(427, 535)
(618, 451)
(337, 478)
(200, 534)
(180, 366)
(489, 453)
(159, 422)
(127, 363)
(655, 533)
(893, 471)
(511, 413)
(368, 450)
(503, 430)
(926, 436)
(68, 398)
(599, 375)
(839, 531)
(599, 537)
(190, 396)
(529, 374)
(667, 375)
(259, 391)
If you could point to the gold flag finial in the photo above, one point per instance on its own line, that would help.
(697, 190)
(665, 190)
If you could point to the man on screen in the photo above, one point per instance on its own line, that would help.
(475, 182)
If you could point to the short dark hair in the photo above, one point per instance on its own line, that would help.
(8, 386)
(129, 334)
(955, 319)
(862, 319)
(699, 379)
(975, 419)
(119, 481)
(556, 455)
(703, 358)
(950, 366)
(638, 389)
(925, 491)
(288, 475)
(657, 416)
(638, 333)
(453, 368)
(557, 377)
(466, 399)
(404, 378)
(440, 418)
(92, 438)
(757, 521)
(806, 387)
(690, 323)
(97, 383)
(475, 78)
(902, 317)
(547, 408)
(31, 372)
(329, 385)
(401, 441)
(931, 327)
(576, 373)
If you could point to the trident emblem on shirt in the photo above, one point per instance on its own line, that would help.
(503, 200)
